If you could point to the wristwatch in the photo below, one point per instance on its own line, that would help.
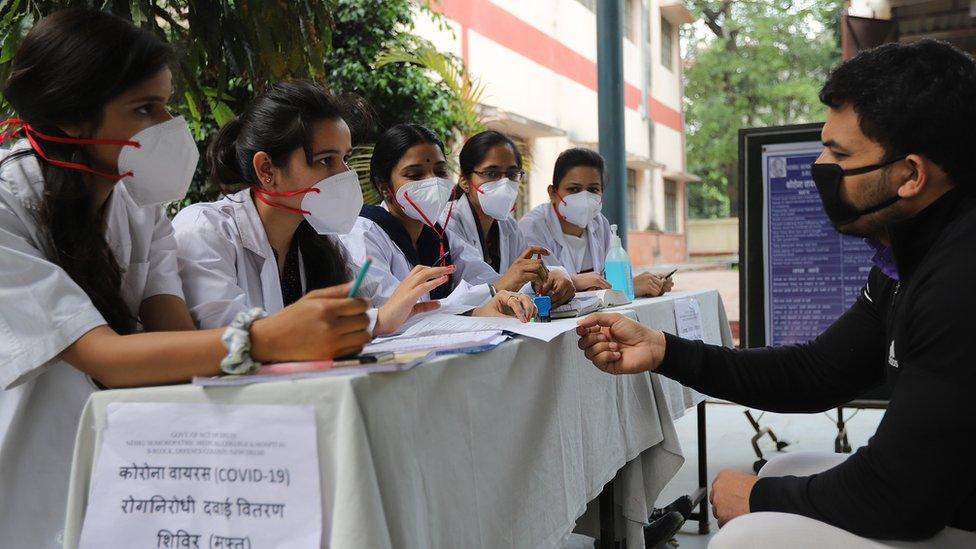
(237, 340)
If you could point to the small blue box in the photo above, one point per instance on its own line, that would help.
(543, 303)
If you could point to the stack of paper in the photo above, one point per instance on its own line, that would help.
(608, 298)
(577, 307)
(441, 343)
(446, 325)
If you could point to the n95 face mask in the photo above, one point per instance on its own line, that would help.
(334, 209)
(579, 208)
(331, 206)
(156, 164)
(497, 198)
(425, 200)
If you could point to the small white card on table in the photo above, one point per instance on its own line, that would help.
(205, 475)
(688, 319)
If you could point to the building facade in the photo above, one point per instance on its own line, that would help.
(537, 60)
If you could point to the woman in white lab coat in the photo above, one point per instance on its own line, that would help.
(491, 169)
(89, 291)
(270, 241)
(409, 170)
(573, 228)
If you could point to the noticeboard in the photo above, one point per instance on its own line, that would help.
(798, 273)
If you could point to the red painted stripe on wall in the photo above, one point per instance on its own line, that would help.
(506, 29)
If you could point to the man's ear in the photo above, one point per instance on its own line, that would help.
(918, 170)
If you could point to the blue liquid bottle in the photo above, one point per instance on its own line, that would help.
(617, 268)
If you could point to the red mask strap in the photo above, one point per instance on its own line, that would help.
(261, 194)
(556, 208)
(32, 135)
(441, 234)
(421, 212)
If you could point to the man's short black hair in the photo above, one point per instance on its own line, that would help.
(917, 98)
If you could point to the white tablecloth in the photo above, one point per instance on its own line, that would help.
(501, 449)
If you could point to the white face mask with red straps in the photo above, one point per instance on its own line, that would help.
(331, 206)
(424, 200)
(579, 208)
(497, 198)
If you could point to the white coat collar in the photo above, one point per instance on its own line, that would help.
(253, 235)
(463, 219)
(590, 233)
(23, 178)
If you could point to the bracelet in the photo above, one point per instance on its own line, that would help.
(237, 340)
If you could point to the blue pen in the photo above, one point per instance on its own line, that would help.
(359, 277)
(442, 258)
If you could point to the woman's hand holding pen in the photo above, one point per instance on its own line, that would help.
(526, 269)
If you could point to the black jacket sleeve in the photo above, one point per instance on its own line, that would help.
(915, 475)
(839, 365)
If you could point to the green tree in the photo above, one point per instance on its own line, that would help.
(227, 50)
(750, 63)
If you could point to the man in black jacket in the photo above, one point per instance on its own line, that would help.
(899, 168)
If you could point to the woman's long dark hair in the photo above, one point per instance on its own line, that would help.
(69, 66)
(278, 122)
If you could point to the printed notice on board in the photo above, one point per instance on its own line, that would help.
(205, 475)
(812, 273)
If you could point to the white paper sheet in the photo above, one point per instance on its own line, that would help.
(449, 324)
(205, 475)
(687, 318)
(440, 342)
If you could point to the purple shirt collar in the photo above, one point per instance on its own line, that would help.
(884, 258)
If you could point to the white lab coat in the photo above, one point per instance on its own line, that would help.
(541, 228)
(390, 265)
(42, 312)
(227, 263)
(463, 225)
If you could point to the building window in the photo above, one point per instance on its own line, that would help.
(631, 9)
(590, 4)
(632, 200)
(667, 44)
(670, 206)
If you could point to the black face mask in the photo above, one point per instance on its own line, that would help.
(828, 179)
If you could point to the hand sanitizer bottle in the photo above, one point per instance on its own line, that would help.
(617, 268)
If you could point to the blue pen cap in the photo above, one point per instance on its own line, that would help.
(543, 303)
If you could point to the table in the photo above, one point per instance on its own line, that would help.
(501, 449)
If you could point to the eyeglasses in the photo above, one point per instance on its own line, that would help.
(495, 175)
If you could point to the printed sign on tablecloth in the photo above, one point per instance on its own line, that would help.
(205, 475)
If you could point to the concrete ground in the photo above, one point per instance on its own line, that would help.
(728, 443)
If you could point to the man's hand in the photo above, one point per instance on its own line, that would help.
(619, 345)
(730, 494)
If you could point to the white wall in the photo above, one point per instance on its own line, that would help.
(518, 85)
